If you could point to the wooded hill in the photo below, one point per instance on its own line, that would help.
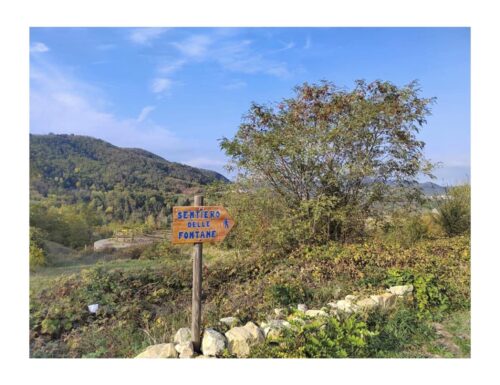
(72, 162)
(79, 179)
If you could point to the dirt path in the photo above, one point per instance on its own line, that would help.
(446, 340)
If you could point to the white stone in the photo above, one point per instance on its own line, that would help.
(185, 349)
(351, 298)
(333, 305)
(385, 300)
(159, 351)
(255, 331)
(346, 307)
(316, 313)
(401, 290)
(182, 335)
(279, 312)
(302, 307)
(230, 321)
(366, 303)
(241, 339)
(272, 329)
(213, 343)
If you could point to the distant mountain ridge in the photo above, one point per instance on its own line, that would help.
(430, 188)
(74, 162)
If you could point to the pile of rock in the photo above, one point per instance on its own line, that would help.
(238, 340)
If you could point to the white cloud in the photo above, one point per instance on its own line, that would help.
(286, 47)
(144, 36)
(236, 85)
(61, 103)
(171, 66)
(195, 46)
(160, 85)
(39, 48)
(239, 57)
(308, 43)
(232, 55)
(144, 113)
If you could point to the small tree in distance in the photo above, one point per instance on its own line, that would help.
(335, 156)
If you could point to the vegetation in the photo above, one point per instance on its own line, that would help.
(322, 338)
(454, 211)
(80, 164)
(37, 249)
(326, 204)
(335, 157)
(83, 189)
(148, 300)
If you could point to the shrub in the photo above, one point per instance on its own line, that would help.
(287, 294)
(454, 211)
(68, 225)
(405, 229)
(432, 227)
(430, 298)
(320, 338)
(38, 255)
(414, 230)
(130, 252)
(161, 250)
(262, 219)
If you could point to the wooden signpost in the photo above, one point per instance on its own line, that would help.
(198, 224)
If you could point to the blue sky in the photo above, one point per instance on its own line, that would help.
(177, 91)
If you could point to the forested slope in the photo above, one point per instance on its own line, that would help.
(71, 162)
(78, 183)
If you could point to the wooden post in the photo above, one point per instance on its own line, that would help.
(196, 307)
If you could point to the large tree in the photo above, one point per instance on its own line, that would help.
(347, 149)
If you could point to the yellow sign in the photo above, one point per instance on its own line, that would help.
(197, 224)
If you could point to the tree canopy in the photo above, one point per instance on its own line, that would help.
(345, 150)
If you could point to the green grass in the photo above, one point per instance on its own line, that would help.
(454, 344)
(43, 277)
(66, 261)
(458, 326)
